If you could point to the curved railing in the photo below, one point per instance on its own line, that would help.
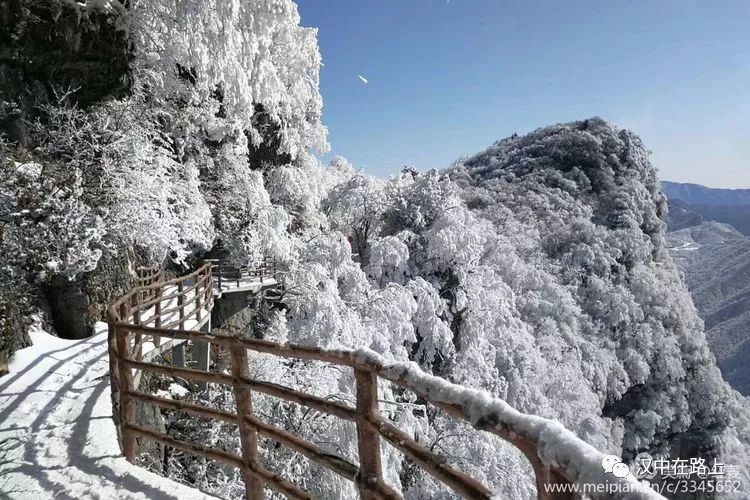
(148, 275)
(230, 277)
(527, 433)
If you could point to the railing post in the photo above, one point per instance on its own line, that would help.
(135, 302)
(157, 313)
(126, 385)
(248, 434)
(114, 368)
(209, 298)
(197, 291)
(370, 475)
(180, 303)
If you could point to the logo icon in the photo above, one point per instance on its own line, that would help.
(613, 465)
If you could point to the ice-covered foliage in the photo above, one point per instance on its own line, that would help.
(217, 89)
(254, 55)
(536, 271)
(46, 228)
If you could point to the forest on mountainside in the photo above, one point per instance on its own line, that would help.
(149, 132)
(709, 243)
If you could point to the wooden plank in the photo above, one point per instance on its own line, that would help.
(272, 480)
(544, 475)
(181, 279)
(345, 358)
(175, 323)
(114, 369)
(314, 402)
(157, 311)
(127, 385)
(197, 297)
(173, 371)
(220, 456)
(138, 346)
(368, 440)
(180, 305)
(248, 434)
(269, 388)
(278, 483)
(190, 408)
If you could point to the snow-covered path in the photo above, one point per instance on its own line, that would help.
(56, 422)
(57, 437)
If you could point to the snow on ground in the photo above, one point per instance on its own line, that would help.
(245, 284)
(56, 421)
(56, 424)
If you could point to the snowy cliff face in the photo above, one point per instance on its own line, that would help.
(536, 270)
(708, 245)
(204, 98)
(586, 204)
(715, 258)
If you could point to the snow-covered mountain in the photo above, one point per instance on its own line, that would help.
(690, 204)
(708, 245)
(716, 261)
(537, 270)
(702, 195)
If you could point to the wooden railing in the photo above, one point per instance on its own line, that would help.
(227, 275)
(126, 333)
(147, 276)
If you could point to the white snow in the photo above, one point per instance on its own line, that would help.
(56, 412)
(56, 422)
(178, 391)
(557, 446)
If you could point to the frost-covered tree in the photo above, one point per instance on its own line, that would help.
(215, 109)
(253, 56)
(535, 271)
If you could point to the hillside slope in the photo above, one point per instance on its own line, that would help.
(702, 195)
(691, 204)
(716, 261)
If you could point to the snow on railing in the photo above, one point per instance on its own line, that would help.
(556, 454)
(560, 460)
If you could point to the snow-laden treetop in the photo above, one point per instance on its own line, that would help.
(253, 55)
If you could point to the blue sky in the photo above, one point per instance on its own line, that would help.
(447, 78)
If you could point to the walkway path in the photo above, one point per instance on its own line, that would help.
(57, 437)
(56, 423)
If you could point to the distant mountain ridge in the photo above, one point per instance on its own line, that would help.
(716, 263)
(692, 204)
(702, 195)
(710, 242)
